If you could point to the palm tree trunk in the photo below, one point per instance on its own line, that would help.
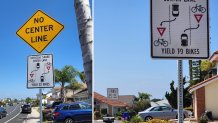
(85, 29)
(190, 69)
(62, 92)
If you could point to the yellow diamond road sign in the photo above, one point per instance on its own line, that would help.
(39, 31)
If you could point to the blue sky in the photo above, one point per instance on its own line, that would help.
(14, 51)
(122, 49)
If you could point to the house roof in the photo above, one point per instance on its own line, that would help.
(203, 83)
(214, 57)
(104, 99)
(124, 98)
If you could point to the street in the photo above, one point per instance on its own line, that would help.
(14, 115)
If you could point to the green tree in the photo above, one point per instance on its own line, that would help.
(65, 75)
(28, 100)
(142, 102)
(15, 101)
(74, 86)
(143, 96)
(172, 96)
(82, 76)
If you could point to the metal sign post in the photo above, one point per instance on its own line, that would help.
(40, 105)
(180, 92)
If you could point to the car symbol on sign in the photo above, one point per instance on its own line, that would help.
(184, 40)
(175, 10)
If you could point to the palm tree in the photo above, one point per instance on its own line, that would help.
(74, 86)
(63, 76)
(85, 29)
(82, 77)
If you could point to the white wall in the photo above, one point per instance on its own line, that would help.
(211, 98)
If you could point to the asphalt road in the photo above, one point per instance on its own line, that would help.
(14, 115)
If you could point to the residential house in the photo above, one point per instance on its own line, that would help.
(107, 106)
(205, 94)
(128, 99)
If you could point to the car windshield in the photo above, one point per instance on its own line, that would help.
(148, 109)
(26, 106)
(175, 7)
(85, 106)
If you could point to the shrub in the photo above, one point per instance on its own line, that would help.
(97, 115)
(135, 119)
(202, 120)
(189, 108)
(119, 113)
(157, 121)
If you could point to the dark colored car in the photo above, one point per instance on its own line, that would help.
(54, 104)
(48, 111)
(175, 10)
(26, 108)
(184, 40)
(3, 113)
(74, 112)
(10, 104)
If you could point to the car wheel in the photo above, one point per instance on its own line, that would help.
(183, 117)
(1, 116)
(68, 120)
(148, 118)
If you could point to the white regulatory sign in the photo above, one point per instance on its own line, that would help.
(113, 93)
(40, 71)
(179, 29)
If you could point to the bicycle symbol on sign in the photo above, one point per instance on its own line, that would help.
(161, 42)
(198, 8)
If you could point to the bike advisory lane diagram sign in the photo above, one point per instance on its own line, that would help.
(39, 31)
(179, 29)
(40, 71)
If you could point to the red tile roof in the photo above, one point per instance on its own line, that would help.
(213, 56)
(202, 84)
(104, 99)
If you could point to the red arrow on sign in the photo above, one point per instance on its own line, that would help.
(161, 30)
(198, 17)
(31, 75)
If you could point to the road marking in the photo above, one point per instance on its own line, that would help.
(13, 117)
(13, 110)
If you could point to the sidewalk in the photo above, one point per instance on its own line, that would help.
(33, 117)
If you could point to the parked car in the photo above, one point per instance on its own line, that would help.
(10, 104)
(26, 108)
(73, 112)
(3, 112)
(56, 103)
(47, 112)
(162, 112)
(49, 109)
